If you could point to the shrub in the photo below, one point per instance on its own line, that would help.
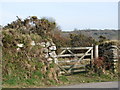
(101, 64)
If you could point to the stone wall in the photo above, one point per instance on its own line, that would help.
(110, 52)
(49, 50)
(48, 58)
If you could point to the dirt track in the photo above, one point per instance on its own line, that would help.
(93, 85)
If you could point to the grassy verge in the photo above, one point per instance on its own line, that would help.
(88, 78)
(64, 80)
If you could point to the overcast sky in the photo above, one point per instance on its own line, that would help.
(68, 15)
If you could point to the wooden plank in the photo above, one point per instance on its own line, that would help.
(96, 52)
(116, 60)
(56, 60)
(76, 66)
(80, 59)
(63, 52)
(71, 52)
(92, 54)
(79, 70)
(62, 68)
(73, 71)
(76, 57)
(70, 55)
(63, 61)
(75, 48)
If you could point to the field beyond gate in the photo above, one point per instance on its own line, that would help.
(74, 59)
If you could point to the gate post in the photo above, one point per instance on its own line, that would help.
(91, 60)
(92, 53)
(96, 52)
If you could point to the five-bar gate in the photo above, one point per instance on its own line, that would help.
(74, 59)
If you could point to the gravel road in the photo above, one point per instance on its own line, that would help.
(113, 84)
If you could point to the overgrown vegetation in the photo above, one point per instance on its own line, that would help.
(24, 65)
(77, 78)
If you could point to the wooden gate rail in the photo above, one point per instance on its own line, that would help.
(63, 61)
(78, 57)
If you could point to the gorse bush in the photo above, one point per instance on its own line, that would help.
(24, 63)
(78, 40)
(42, 27)
(16, 63)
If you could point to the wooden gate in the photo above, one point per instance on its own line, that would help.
(73, 59)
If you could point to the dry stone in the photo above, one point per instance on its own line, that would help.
(49, 50)
(52, 44)
(38, 44)
(111, 51)
(52, 48)
(45, 50)
(42, 44)
(32, 43)
(53, 54)
(48, 44)
(20, 45)
(46, 56)
(49, 59)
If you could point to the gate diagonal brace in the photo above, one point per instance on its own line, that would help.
(79, 60)
(62, 69)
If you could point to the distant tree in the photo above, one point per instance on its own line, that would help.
(81, 40)
(59, 39)
(102, 38)
(75, 29)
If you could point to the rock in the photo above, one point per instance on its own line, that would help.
(52, 48)
(45, 50)
(32, 43)
(49, 59)
(52, 44)
(18, 49)
(46, 55)
(48, 44)
(38, 43)
(20, 45)
(42, 44)
(53, 54)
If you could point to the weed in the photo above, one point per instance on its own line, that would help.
(63, 78)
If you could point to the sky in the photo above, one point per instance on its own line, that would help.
(68, 15)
